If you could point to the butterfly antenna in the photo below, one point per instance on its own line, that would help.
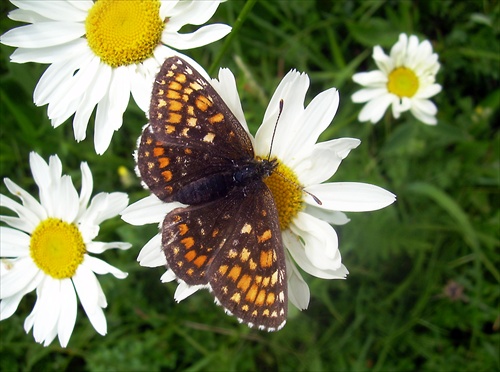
(299, 187)
(275, 126)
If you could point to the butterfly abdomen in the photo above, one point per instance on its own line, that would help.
(218, 185)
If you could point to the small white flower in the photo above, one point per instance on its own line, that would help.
(48, 248)
(405, 80)
(101, 52)
(309, 238)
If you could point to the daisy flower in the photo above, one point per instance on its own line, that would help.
(406, 80)
(303, 165)
(47, 248)
(101, 52)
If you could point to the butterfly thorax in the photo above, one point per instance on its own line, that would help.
(218, 185)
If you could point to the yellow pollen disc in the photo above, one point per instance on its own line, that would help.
(287, 193)
(124, 32)
(57, 248)
(403, 82)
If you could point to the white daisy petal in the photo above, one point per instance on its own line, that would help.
(298, 290)
(375, 109)
(54, 80)
(420, 111)
(151, 255)
(373, 78)
(87, 186)
(383, 61)
(323, 161)
(67, 319)
(100, 247)
(18, 278)
(100, 81)
(9, 305)
(226, 87)
(29, 219)
(104, 206)
(40, 171)
(318, 115)
(147, 210)
(319, 240)
(87, 287)
(292, 90)
(296, 250)
(333, 217)
(47, 309)
(365, 95)
(65, 200)
(43, 34)
(100, 267)
(51, 54)
(28, 201)
(183, 291)
(168, 276)
(15, 243)
(191, 12)
(109, 115)
(17, 223)
(203, 36)
(26, 16)
(53, 10)
(84, 5)
(350, 196)
(429, 91)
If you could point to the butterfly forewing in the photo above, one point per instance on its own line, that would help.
(230, 240)
(167, 168)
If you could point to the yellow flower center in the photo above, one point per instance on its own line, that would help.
(287, 193)
(403, 82)
(57, 248)
(124, 32)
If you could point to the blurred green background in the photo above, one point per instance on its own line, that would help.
(423, 290)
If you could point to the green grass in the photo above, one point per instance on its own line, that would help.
(394, 311)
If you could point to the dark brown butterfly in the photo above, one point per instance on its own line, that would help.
(194, 151)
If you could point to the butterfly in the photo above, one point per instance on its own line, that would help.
(227, 238)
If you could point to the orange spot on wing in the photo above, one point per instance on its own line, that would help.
(175, 85)
(252, 293)
(164, 162)
(200, 260)
(167, 175)
(244, 282)
(270, 298)
(261, 297)
(223, 269)
(175, 105)
(174, 118)
(158, 151)
(172, 94)
(181, 78)
(265, 236)
(183, 228)
(190, 255)
(188, 242)
(234, 273)
(203, 103)
(266, 258)
(217, 118)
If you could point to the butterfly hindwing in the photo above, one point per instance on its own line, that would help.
(234, 245)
